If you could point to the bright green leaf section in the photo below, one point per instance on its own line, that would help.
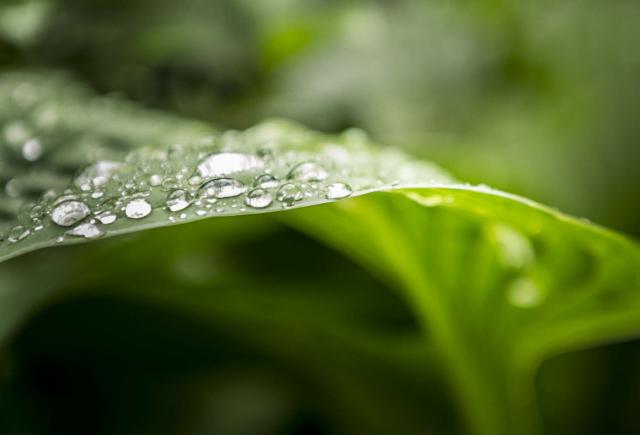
(497, 283)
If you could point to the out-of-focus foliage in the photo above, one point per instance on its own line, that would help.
(378, 314)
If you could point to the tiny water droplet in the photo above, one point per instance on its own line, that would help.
(17, 233)
(289, 194)
(258, 198)
(266, 181)
(68, 213)
(137, 209)
(97, 174)
(155, 180)
(227, 163)
(308, 171)
(338, 191)
(106, 217)
(169, 184)
(222, 188)
(178, 200)
(86, 230)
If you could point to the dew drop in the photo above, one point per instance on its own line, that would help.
(17, 234)
(338, 191)
(227, 163)
(86, 230)
(289, 194)
(68, 213)
(222, 188)
(137, 209)
(106, 217)
(178, 200)
(266, 181)
(97, 174)
(258, 198)
(155, 180)
(308, 171)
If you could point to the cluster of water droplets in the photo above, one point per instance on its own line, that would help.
(65, 172)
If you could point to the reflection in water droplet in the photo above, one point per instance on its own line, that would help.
(227, 163)
(222, 188)
(289, 194)
(338, 191)
(32, 150)
(68, 213)
(524, 293)
(178, 200)
(308, 171)
(258, 198)
(86, 230)
(137, 209)
(266, 181)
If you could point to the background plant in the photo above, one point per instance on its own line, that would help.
(288, 322)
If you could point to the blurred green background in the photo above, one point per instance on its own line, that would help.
(538, 98)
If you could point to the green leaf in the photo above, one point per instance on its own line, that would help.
(497, 283)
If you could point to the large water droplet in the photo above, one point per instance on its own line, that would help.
(222, 188)
(137, 209)
(227, 163)
(68, 213)
(178, 200)
(289, 194)
(258, 198)
(266, 181)
(86, 230)
(308, 171)
(338, 191)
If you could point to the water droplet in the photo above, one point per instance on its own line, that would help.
(155, 180)
(258, 198)
(17, 233)
(266, 181)
(169, 184)
(68, 213)
(106, 217)
(86, 230)
(32, 150)
(308, 171)
(97, 174)
(338, 191)
(227, 163)
(36, 212)
(137, 209)
(289, 194)
(222, 188)
(178, 200)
